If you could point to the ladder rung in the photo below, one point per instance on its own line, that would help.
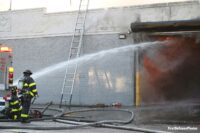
(75, 41)
(66, 93)
(84, 1)
(76, 35)
(80, 17)
(83, 4)
(69, 80)
(74, 47)
(73, 53)
(80, 26)
(73, 57)
(82, 9)
(67, 96)
(68, 86)
(68, 100)
(79, 23)
(70, 74)
(77, 29)
(71, 70)
(70, 67)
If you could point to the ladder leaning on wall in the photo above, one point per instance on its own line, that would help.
(75, 47)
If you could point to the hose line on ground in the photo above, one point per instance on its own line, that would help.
(103, 123)
(58, 115)
(107, 123)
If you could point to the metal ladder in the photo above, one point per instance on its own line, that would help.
(75, 48)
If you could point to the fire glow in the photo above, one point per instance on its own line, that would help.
(172, 73)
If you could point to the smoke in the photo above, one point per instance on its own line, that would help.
(171, 72)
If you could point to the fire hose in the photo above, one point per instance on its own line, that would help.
(60, 117)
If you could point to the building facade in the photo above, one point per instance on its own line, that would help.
(40, 40)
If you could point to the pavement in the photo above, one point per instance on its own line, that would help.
(171, 117)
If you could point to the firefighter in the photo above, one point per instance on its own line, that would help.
(14, 105)
(28, 92)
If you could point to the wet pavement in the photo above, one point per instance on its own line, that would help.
(175, 117)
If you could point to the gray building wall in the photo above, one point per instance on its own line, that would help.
(100, 80)
(40, 40)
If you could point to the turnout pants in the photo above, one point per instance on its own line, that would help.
(15, 115)
(26, 103)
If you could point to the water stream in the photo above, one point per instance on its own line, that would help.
(89, 57)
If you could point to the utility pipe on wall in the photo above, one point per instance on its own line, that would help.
(137, 76)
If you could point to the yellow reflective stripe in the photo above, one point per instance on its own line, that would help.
(31, 93)
(35, 90)
(15, 102)
(32, 84)
(24, 115)
(15, 110)
(25, 84)
(15, 117)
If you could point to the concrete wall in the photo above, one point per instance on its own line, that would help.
(100, 80)
(40, 40)
(37, 23)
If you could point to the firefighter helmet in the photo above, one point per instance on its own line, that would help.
(27, 72)
(13, 90)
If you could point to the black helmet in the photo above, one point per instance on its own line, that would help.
(27, 72)
(13, 90)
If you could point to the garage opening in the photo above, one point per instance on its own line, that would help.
(171, 72)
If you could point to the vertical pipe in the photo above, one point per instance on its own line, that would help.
(10, 8)
(137, 78)
(134, 77)
(6, 77)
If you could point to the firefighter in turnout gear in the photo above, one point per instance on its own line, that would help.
(28, 92)
(14, 105)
